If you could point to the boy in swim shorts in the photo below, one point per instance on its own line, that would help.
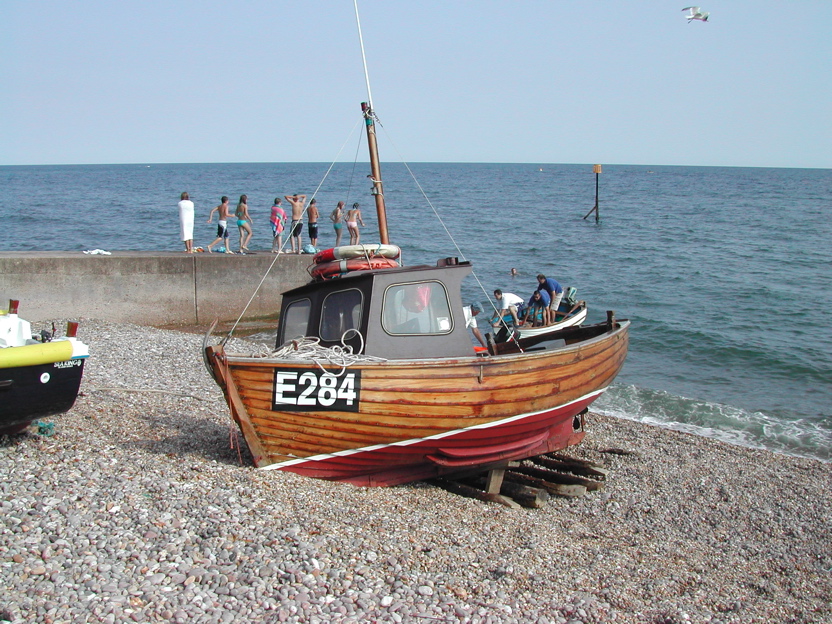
(222, 224)
(296, 229)
(312, 213)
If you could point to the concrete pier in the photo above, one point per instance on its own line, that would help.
(148, 288)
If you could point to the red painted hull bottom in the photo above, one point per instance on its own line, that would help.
(453, 452)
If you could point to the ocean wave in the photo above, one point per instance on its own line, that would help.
(799, 435)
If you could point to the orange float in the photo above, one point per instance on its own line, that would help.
(336, 268)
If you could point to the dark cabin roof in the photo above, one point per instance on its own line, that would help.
(402, 313)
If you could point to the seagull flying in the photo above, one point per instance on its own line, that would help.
(696, 14)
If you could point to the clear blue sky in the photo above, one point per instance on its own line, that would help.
(555, 81)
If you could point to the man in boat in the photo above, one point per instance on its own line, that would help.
(222, 224)
(509, 303)
(296, 229)
(555, 292)
(471, 312)
(538, 305)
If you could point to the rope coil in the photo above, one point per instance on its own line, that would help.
(305, 349)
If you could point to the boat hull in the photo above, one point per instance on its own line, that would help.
(36, 391)
(571, 321)
(575, 318)
(413, 419)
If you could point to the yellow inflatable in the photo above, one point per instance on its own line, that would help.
(30, 355)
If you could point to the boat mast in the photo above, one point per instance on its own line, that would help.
(375, 166)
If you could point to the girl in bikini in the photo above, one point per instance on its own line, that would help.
(243, 223)
(337, 218)
(353, 219)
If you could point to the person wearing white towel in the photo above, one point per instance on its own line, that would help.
(186, 222)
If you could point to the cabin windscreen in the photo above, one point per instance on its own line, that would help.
(341, 312)
(416, 308)
(296, 320)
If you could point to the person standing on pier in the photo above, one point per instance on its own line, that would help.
(353, 219)
(312, 213)
(277, 219)
(337, 218)
(244, 223)
(296, 230)
(224, 213)
(186, 221)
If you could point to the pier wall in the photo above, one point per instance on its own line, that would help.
(147, 288)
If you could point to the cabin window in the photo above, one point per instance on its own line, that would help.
(296, 320)
(416, 308)
(340, 312)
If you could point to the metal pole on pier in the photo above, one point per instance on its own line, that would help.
(597, 170)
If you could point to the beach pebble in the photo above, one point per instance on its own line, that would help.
(138, 509)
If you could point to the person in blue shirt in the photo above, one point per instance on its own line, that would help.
(538, 304)
(555, 292)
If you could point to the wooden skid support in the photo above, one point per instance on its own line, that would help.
(553, 476)
(556, 489)
(456, 487)
(555, 461)
(528, 485)
(527, 496)
(494, 482)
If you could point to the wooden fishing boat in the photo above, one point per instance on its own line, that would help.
(38, 378)
(374, 379)
(415, 401)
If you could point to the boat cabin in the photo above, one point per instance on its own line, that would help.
(398, 313)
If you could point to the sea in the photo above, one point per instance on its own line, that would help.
(724, 272)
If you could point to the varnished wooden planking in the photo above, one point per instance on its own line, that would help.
(407, 405)
(352, 434)
(418, 378)
(473, 394)
(449, 369)
(368, 433)
(444, 407)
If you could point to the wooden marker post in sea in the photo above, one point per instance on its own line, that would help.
(597, 170)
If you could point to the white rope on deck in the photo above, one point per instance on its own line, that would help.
(304, 349)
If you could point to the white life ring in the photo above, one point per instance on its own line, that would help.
(348, 252)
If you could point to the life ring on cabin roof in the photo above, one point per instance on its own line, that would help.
(347, 252)
(335, 268)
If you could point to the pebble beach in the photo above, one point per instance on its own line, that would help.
(142, 507)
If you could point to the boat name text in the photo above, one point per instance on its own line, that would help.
(69, 364)
(302, 389)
